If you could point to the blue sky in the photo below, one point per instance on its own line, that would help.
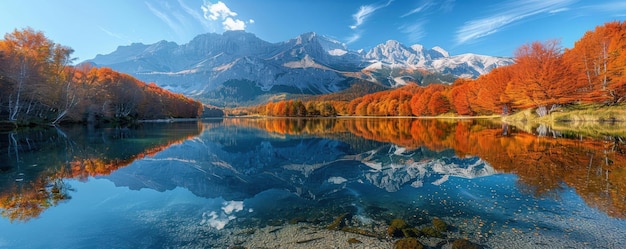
(491, 27)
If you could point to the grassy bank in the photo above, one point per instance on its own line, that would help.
(585, 119)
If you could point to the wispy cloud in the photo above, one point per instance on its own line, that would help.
(425, 5)
(610, 7)
(507, 13)
(414, 31)
(360, 16)
(220, 12)
(195, 15)
(174, 24)
(114, 35)
(447, 5)
(364, 12)
(354, 37)
(558, 10)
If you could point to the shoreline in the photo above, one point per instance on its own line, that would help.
(478, 231)
(577, 119)
(584, 119)
(168, 120)
(373, 117)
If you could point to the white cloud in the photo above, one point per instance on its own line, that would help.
(216, 11)
(233, 24)
(359, 17)
(506, 14)
(364, 12)
(220, 12)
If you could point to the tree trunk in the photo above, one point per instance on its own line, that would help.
(15, 108)
(542, 111)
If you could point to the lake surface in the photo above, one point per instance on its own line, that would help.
(302, 183)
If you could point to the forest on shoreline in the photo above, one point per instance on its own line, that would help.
(40, 86)
(545, 78)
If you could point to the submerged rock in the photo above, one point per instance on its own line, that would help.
(411, 232)
(464, 244)
(297, 220)
(395, 228)
(338, 223)
(360, 231)
(440, 225)
(354, 241)
(408, 243)
(431, 232)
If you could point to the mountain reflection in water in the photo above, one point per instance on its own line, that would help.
(36, 162)
(257, 172)
(594, 167)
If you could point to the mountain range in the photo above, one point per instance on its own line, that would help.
(237, 67)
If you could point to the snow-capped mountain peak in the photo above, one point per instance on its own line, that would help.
(309, 63)
(394, 53)
(443, 52)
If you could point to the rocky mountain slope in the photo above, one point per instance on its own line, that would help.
(237, 67)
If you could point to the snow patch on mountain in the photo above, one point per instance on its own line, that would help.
(309, 63)
(306, 62)
(337, 52)
(443, 52)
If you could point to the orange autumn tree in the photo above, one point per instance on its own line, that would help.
(395, 102)
(438, 103)
(420, 101)
(40, 86)
(491, 95)
(541, 78)
(119, 96)
(461, 95)
(599, 60)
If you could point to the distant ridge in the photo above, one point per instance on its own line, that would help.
(238, 68)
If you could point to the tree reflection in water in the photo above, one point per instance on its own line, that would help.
(37, 162)
(594, 167)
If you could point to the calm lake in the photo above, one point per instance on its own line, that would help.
(302, 183)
